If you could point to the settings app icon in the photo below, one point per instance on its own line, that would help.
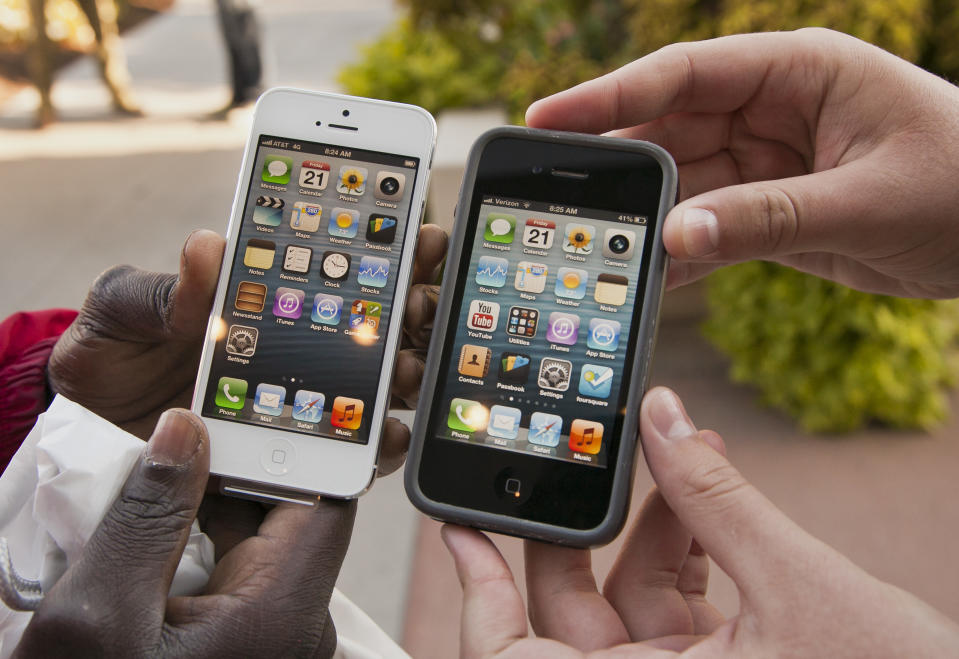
(241, 340)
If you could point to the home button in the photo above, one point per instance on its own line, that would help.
(510, 486)
(278, 457)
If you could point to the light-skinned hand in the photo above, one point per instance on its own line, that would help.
(798, 597)
(809, 148)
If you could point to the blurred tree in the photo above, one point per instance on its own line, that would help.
(881, 358)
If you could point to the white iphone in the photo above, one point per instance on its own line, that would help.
(294, 379)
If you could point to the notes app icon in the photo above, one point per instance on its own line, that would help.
(347, 412)
(259, 254)
(586, 436)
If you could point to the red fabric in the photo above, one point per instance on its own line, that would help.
(26, 341)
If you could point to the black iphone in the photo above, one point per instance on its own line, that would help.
(528, 413)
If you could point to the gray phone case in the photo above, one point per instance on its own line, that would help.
(639, 373)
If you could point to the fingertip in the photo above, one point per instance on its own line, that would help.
(714, 440)
(393, 450)
(663, 416)
(179, 437)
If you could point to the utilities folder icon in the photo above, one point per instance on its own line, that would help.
(259, 254)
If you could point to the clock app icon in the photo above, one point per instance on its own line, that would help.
(335, 265)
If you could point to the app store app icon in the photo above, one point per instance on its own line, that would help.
(603, 334)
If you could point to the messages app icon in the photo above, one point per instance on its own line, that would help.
(276, 169)
(500, 228)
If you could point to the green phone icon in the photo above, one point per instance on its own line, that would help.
(467, 415)
(231, 393)
(500, 228)
(276, 169)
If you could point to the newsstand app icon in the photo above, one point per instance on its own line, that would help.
(483, 315)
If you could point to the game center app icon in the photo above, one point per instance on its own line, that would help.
(571, 283)
(231, 393)
(538, 234)
(352, 180)
(276, 169)
(268, 211)
(381, 229)
(531, 277)
(269, 399)
(365, 314)
(586, 436)
(314, 174)
(603, 334)
(491, 271)
(523, 321)
(545, 429)
(563, 328)
(306, 216)
(241, 340)
(288, 303)
(347, 412)
(483, 315)
(327, 309)
(578, 239)
(308, 406)
(554, 374)
(513, 368)
(467, 415)
(344, 223)
(596, 380)
(503, 422)
(500, 228)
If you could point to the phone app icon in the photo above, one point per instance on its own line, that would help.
(619, 244)
(352, 180)
(545, 429)
(250, 296)
(467, 415)
(344, 223)
(306, 216)
(503, 422)
(611, 289)
(603, 334)
(327, 309)
(374, 271)
(513, 368)
(335, 266)
(563, 328)
(390, 185)
(571, 283)
(500, 228)
(308, 406)
(381, 229)
(241, 340)
(522, 321)
(365, 315)
(474, 361)
(491, 271)
(347, 412)
(269, 399)
(297, 259)
(586, 436)
(531, 277)
(276, 169)
(483, 315)
(554, 374)
(231, 393)
(595, 380)
(259, 254)
(578, 239)
(268, 211)
(288, 302)
(539, 233)
(314, 174)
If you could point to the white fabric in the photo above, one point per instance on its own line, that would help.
(57, 489)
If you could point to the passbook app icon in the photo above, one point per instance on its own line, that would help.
(347, 412)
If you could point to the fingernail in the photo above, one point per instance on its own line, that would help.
(175, 440)
(700, 232)
(668, 416)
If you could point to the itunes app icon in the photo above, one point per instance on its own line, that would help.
(483, 315)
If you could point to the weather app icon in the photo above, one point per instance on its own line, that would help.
(491, 271)
(603, 334)
(373, 271)
(327, 309)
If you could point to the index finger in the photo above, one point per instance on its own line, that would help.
(718, 75)
(430, 252)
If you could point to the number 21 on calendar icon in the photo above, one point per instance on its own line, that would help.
(314, 174)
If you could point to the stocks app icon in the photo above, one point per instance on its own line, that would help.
(483, 315)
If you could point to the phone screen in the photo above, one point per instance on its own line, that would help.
(300, 341)
(539, 347)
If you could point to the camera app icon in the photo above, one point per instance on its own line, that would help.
(390, 185)
(619, 244)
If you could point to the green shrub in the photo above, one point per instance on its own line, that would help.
(832, 357)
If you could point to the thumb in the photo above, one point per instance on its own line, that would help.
(129, 562)
(752, 540)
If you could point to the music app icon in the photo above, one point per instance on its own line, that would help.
(348, 413)
(585, 436)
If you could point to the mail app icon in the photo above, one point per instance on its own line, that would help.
(269, 399)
